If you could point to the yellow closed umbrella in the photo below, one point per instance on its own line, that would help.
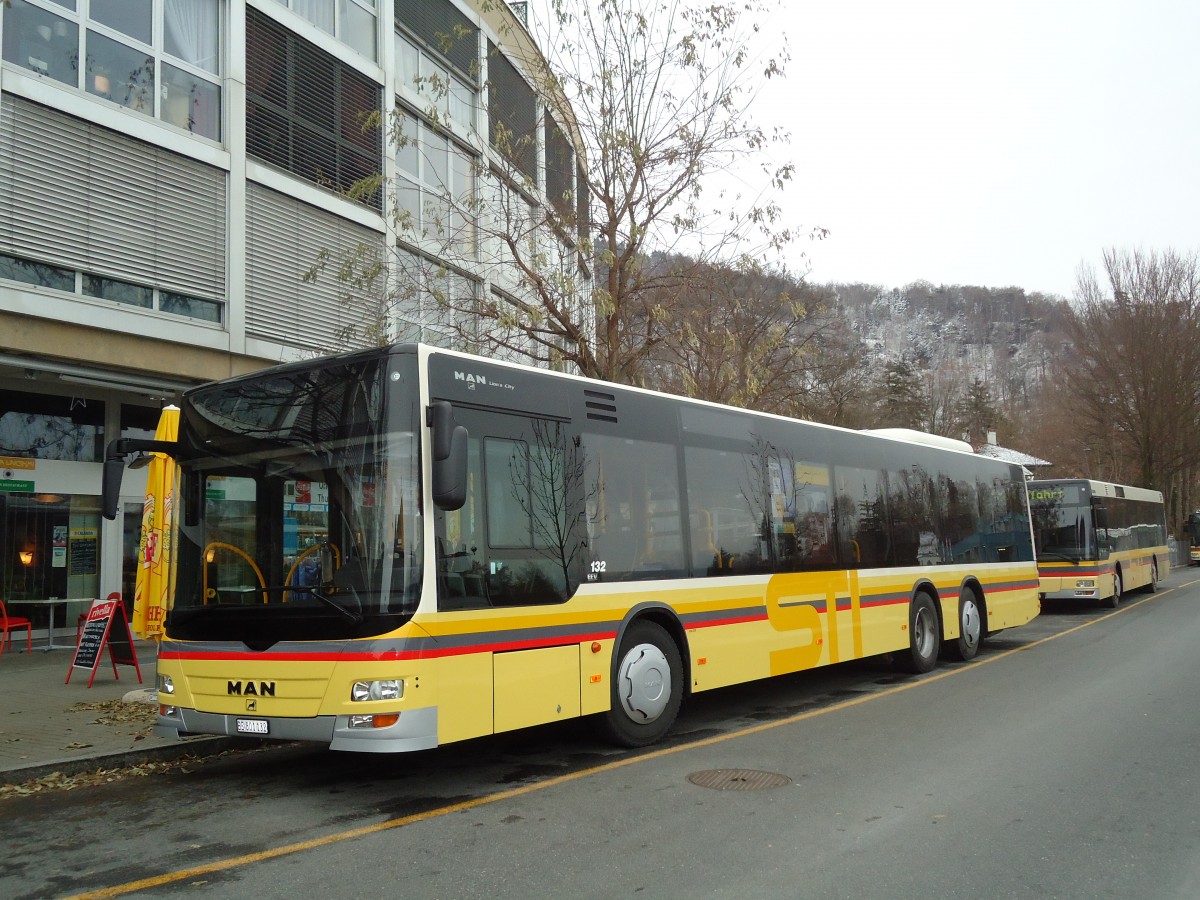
(155, 585)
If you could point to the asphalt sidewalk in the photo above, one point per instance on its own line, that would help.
(47, 725)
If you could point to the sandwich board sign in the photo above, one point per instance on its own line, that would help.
(105, 627)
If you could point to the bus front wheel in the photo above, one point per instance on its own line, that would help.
(1115, 599)
(1153, 576)
(924, 636)
(647, 687)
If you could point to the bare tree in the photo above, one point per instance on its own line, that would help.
(1134, 371)
(627, 134)
(656, 95)
(746, 336)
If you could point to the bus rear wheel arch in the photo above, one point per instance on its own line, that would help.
(647, 686)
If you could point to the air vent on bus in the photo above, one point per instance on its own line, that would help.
(600, 405)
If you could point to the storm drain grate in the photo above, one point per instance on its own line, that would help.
(738, 780)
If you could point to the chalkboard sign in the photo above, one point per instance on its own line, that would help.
(84, 547)
(106, 626)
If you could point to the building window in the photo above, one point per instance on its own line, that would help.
(40, 274)
(512, 114)
(29, 272)
(440, 27)
(192, 307)
(309, 113)
(560, 169)
(445, 94)
(435, 189)
(48, 426)
(432, 301)
(353, 22)
(119, 291)
(163, 65)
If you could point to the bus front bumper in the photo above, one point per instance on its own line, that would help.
(416, 729)
(1070, 589)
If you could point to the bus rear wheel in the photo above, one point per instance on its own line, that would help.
(647, 687)
(970, 628)
(1153, 587)
(924, 636)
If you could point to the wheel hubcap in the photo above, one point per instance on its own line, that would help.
(645, 683)
(923, 632)
(971, 625)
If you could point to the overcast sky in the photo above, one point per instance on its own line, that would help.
(995, 144)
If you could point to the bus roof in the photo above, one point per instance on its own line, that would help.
(1106, 488)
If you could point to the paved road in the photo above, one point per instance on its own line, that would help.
(1062, 763)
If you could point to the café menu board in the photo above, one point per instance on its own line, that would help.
(85, 545)
(106, 626)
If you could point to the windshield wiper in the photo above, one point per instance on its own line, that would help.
(350, 615)
(1053, 554)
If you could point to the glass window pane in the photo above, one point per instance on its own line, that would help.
(463, 184)
(408, 200)
(28, 272)
(507, 466)
(319, 12)
(191, 32)
(120, 291)
(120, 73)
(357, 28)
(408, 152)
(462, 104)
(408, 63)
(131, 17)
(193, 307)
(46, 426)
(191, 103)
(41, 42)
(437, 159)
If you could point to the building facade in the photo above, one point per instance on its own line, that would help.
(189, 190)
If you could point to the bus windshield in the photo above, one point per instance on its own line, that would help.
(1064, 527)
(300, 504)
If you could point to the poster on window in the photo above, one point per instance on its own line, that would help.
(85, 544)
(58, 547)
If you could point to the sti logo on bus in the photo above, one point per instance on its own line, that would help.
(251, 689)
(473, 381)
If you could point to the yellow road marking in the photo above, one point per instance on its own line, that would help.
(288, 849)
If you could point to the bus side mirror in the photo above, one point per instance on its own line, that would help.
(114, 467)
(114, 471)
(449, 456)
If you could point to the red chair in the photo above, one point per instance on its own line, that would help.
(8, 624)
(115, 595)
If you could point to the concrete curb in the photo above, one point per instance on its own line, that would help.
(197, 748)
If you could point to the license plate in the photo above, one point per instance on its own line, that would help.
(252, 726)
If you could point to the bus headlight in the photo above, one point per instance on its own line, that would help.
(362, 691)
(165, 684)
(1085, 583)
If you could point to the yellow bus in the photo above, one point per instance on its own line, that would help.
(1193, 530)
(398, 548)
(1097, 540)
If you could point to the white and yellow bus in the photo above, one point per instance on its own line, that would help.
(1097, 540)
(404, 547)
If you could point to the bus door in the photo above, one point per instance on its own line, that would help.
(516, 546)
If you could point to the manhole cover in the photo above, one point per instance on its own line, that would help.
(738, 780)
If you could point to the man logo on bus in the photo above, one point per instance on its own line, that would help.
(472, 380)
(251, 689)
